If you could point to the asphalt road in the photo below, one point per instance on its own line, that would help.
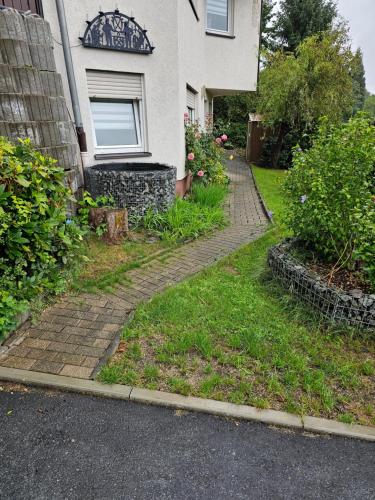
(57, 446)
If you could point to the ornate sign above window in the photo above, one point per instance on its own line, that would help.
(116, 31)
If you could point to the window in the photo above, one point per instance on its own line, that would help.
(191, 95)
(117, 111)
(219, 15)
(116, 123)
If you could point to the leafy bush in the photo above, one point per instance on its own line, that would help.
(237, 131)
(189, 218)
(331, 196)
(36, 239)
(204, 155)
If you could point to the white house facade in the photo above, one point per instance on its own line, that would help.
(140, 65)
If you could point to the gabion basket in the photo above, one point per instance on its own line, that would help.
(353, 308)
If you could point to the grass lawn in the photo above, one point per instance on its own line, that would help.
(106, 265)
(232, 334)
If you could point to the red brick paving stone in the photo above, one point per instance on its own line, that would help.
(76, 371)
(78, 330)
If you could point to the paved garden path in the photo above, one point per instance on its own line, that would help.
(77, 334)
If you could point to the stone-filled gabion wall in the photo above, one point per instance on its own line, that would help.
(353, 308)
(135, 186)
(32, 102)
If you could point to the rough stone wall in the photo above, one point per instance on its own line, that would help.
(353, 308)
(32, 102)
(133, 187)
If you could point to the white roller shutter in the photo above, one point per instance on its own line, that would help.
(190, 99)
(111, 85)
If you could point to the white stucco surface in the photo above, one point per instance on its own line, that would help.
(184, 54)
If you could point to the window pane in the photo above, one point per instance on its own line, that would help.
(217, 15)
(114, 123)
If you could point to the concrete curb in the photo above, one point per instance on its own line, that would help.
(145, 396)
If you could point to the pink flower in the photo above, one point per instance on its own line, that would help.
(218, 141)
(198, 135)
(224, 138)
(186, 117)
(200, 173)
(191, 156)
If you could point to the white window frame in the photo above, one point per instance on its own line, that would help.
(230, 30)
(191, 112)
(139, 124)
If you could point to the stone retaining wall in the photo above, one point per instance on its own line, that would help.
(353, 308)
(32, 102)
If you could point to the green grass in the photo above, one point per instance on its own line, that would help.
(209, 196)
(270, 183)
(189, 218)
(232, 334)
(107, 265)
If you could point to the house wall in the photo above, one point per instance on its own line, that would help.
(160, 69)
(183, 55)
(232, 64)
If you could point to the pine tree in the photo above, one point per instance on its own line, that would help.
(266, 26)
(299, 19)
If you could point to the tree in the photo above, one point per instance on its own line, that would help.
(369, 106)
(359, 82)
(299, 19)
(297, 89)
(266, 26)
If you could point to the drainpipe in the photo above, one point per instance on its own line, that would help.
(81, 134)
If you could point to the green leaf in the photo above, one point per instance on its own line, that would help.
(22, 181)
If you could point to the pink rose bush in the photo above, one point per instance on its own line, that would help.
(204, 154)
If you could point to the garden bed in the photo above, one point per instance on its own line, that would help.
(353, 307)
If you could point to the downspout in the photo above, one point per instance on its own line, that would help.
(81, 134)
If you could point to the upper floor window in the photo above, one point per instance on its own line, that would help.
(219, 15)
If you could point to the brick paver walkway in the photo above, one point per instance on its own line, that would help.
(76, 335)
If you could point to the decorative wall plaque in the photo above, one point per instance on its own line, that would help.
(116, 31)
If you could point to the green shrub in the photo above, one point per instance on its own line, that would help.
(189, 218)
(330, 194)
(204, 156)
(36, 238)
(236, 131)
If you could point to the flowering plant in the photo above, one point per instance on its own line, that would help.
(204, 154)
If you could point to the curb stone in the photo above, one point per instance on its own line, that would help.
(157, 398)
